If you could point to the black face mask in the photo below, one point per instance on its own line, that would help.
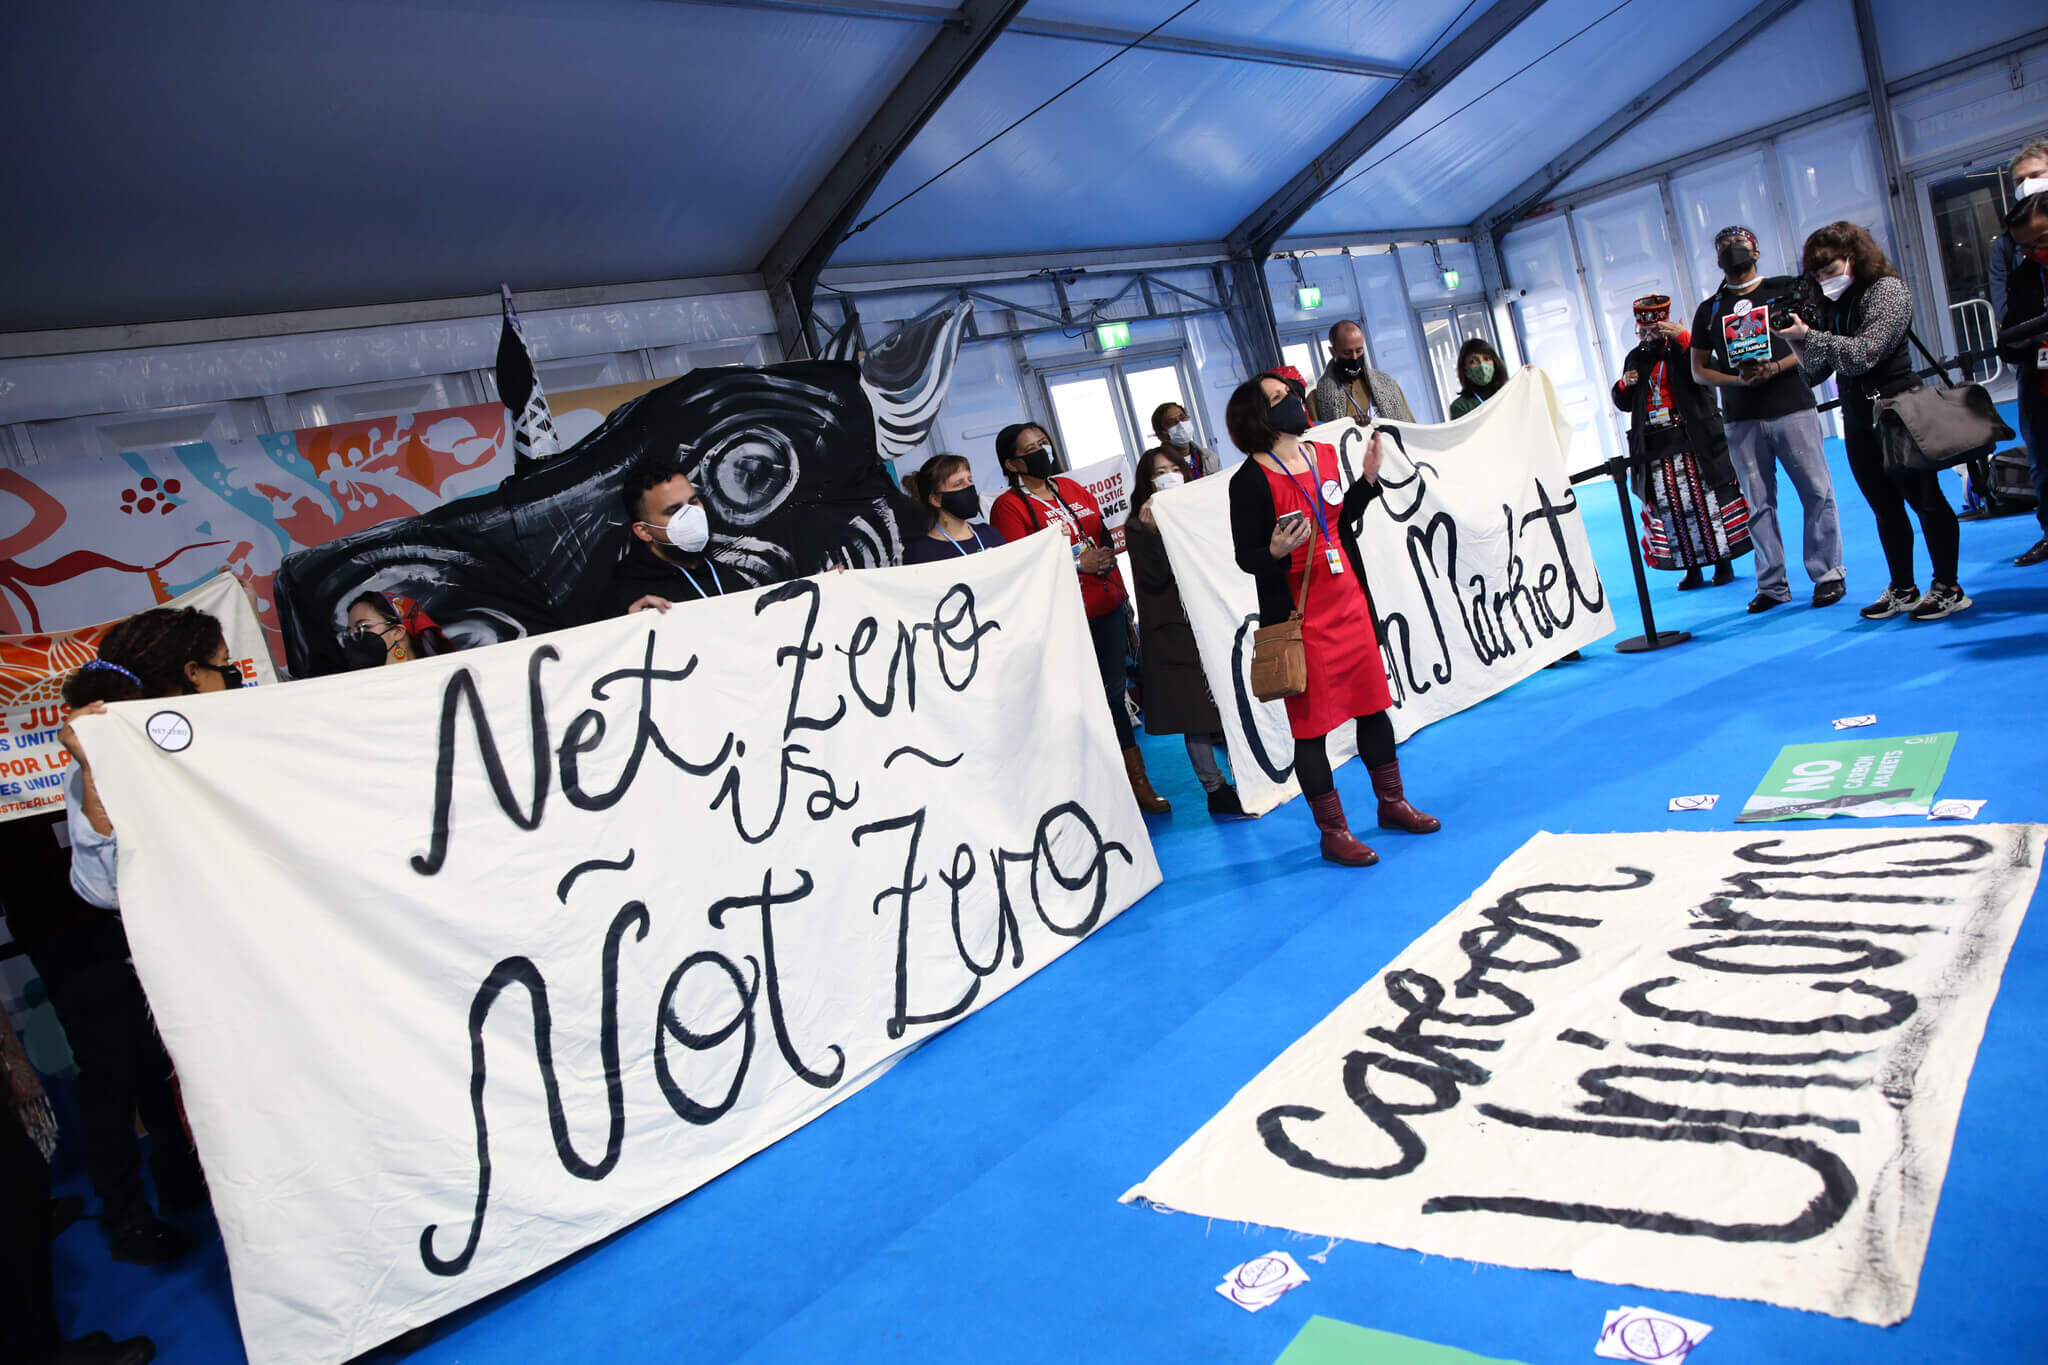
(1288, 415)
(1349, 369)
(1736, 260)
(1038, 463)
(963, 503)
(358, 651)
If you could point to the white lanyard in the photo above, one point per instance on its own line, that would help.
(693, 578)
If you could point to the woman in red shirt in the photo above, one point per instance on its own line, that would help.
(1347, 676)
(1039, 499)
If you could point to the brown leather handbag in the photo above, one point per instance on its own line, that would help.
(1279, 660)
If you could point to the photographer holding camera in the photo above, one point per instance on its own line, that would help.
(1770, 419)
(1860, 336)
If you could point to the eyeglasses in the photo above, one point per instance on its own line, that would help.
(363, 629)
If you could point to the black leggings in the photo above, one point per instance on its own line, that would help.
(1312, 757)
(1112, 649)
(1890, 494)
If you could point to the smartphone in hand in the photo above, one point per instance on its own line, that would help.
(1287, 521)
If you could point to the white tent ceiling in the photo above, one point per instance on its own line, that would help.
(233, 156)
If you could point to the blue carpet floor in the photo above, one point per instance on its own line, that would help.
(964, 1208)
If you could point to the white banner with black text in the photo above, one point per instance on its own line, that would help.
(1475, 557)
(467, 962)
(1710, 1063)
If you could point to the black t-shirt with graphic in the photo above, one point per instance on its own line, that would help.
(1778, 397)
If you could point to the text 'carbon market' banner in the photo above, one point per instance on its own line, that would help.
(520, 944)
(1475, 557)
(1709, 1063)
(32, 673)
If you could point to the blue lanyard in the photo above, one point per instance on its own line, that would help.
(1315, 499)
(709, 564)
(972, 535)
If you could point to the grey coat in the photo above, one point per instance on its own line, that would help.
(1334, 400)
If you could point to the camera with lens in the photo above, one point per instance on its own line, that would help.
(1799, 298)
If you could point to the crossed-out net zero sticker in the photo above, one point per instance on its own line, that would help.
(169, 731)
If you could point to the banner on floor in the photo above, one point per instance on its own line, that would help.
(1707, 1063)
(32, 673)
(528, 941)
(1476, 560)
(1863, 777)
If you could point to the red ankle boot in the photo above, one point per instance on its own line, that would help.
(1395, 812)
(1340, 845)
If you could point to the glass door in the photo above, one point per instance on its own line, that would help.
(1968, 212)
(1149, 385)
(1446, 329)
(1087, 406)
(1104, 410)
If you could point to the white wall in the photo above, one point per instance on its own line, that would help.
(59, 407)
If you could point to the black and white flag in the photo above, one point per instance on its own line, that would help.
(533, 426)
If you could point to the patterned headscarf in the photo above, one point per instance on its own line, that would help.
(1652, 308)
(1737, 233)
(1288, 374)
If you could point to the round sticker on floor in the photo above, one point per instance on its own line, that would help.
(170, 731)
(1332, 494)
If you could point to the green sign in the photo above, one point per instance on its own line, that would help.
(1326, 1341)
(1113, 336)
(1309, 296)
(1864, 777)
(1451, 278)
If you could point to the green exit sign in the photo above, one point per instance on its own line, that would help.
(1309, 296)
(1113, 336)
(1451, 279)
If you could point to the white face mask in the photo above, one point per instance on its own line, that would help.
(689, 530)
(2032, 185)
(1161, 481)
(1181, 433)
(1834, 286)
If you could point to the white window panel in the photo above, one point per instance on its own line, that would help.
(356, 402)
(1735, 190)
(1552, 310)
(1835, 173)
(115, 433)
(1627, 248)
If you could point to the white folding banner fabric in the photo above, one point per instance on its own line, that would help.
(468, 962)
(33, 668)
(1476, 558)
(1710, 1063)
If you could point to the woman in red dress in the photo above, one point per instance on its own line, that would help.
(1347, 677)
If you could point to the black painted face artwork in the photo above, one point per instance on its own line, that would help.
(787, 459)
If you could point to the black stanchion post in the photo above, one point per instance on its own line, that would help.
(1651, 638)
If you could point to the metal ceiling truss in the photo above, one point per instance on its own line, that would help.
(1070, 317)
(1234, 51)
(1554, 172)
(793, 264)
(1269, 222)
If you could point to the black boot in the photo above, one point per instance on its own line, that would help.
(1224, 805)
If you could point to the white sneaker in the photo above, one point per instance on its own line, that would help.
(1943, 599)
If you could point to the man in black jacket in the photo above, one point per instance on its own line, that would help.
(2023, 341)
(665, 561)
(2009, 264)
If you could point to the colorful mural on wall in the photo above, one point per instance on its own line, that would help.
(95, 539)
